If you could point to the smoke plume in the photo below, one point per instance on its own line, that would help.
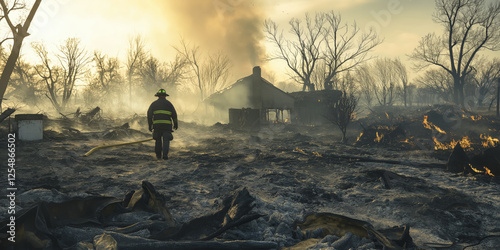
(232, 26)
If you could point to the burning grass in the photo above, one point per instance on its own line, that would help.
(429, 125)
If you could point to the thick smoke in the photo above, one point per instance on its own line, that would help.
(234, 27)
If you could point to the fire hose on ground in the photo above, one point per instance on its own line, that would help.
(116, 145)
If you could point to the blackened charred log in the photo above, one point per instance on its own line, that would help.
(235, 211)
(459, 161)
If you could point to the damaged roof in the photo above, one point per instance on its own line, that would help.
(254, 92)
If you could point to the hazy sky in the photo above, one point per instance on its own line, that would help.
(235, 26)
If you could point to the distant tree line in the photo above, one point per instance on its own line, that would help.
(55, 74)
(323, 52)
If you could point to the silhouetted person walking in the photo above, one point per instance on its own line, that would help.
(161, 114)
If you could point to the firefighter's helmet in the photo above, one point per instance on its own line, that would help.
(161, 92)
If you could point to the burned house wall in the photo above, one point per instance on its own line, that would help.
(246, 118)
(313, 107)
(251, 92)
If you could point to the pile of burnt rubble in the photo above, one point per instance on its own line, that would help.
(467, 141)
(141, 220)
(91, 125)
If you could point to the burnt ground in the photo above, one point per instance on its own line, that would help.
(291, 171)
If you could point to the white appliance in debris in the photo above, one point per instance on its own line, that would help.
(29, 127)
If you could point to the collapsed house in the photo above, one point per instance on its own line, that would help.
(252, 101)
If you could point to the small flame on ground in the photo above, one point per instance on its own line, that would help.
(387, 115)
(299, 151)
(408, 140)
(359, 137)
(473, 117)
(317, 154)
(378, 137)
(486, 171)
(488, 141)
(429, 125)
(464, 142)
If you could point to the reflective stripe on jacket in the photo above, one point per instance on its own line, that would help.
(160, 114)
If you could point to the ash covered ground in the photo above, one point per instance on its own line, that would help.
(291, 171)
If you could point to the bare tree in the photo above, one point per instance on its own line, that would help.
(382, 79)
(176, 71)
(49, 74)
(345, 47)
(366, 83)
(150, 72)
(136, 55)
(498, 97)
(401, 74)
(19, 32)
(107, 69)
(385, 82)
(303, 51)
(216, 72)
(470, 26)
(73, 60)
(191, 55)
(483, 76)
(210, 74)
(22, 80)
(342, 113)
(346, 83)
(439, 81)
(60, 79)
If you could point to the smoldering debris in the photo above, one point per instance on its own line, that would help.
(93, 220)
(290, 171)
(341, 232)
(142, 219)
(91, 125)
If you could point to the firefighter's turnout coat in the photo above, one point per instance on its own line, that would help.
(161, 114)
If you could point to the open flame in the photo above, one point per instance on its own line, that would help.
(298, 150)
(408, 140)
(473, 117)
(317, 154)
(488, 141)
(429, 125)
(378, 137)
(464, 142)
(486, 171)
(359, 137)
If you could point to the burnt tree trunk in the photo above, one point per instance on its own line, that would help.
(498, 97)
(19, 32)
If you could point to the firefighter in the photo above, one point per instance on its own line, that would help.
(161, 114)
